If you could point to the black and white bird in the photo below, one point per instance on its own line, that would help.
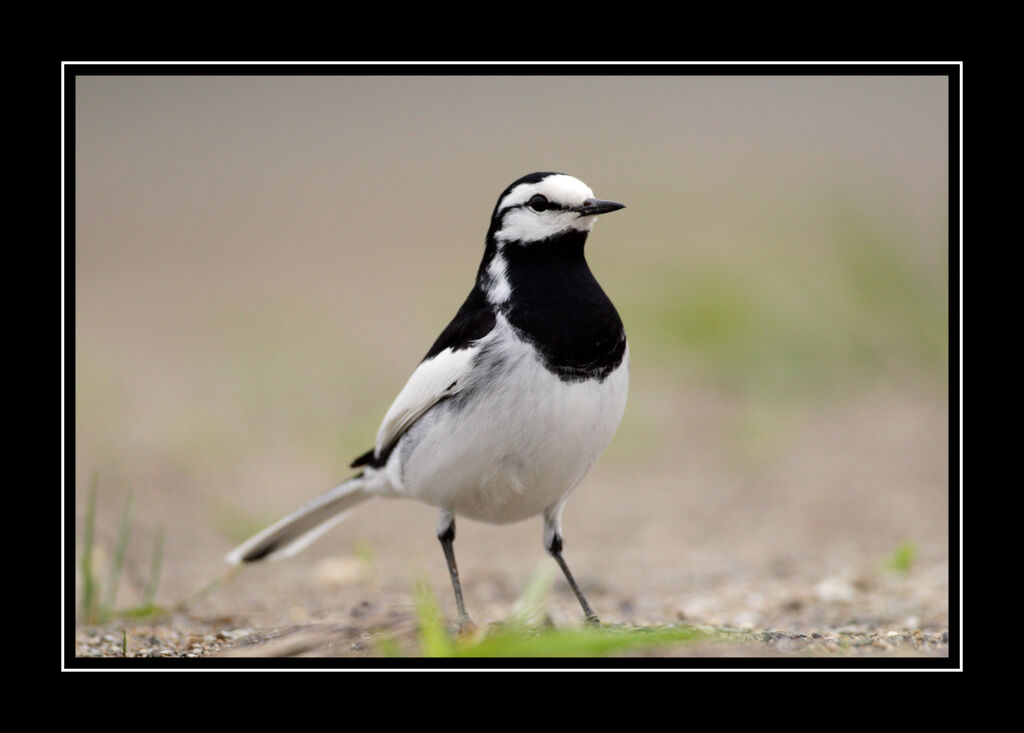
(516, 399)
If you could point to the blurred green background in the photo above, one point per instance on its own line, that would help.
(260, 262)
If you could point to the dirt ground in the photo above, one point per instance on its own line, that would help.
(784, 573)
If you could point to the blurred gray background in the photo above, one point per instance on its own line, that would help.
(260, 262)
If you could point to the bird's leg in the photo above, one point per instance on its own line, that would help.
(553, 544)
(446, 533)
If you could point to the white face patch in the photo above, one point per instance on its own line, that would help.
(523, 224)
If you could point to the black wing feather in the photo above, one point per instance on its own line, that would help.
(474, 320)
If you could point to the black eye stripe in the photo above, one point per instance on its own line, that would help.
(539, 202)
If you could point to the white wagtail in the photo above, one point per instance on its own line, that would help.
(516, 399)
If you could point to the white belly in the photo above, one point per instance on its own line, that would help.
(515, 444)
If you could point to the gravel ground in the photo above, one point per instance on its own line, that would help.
(884, 616)
(184, 638)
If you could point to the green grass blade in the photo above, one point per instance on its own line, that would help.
(902, 558)
(123, 533)
(531, 607)
(217, 583)
(577, 642)
(520, 638)
(387, 646)
(88, 607)
(434, 639)
(154, 568)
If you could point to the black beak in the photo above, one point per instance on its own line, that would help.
(592, 207)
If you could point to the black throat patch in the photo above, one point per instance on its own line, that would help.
(558, 306)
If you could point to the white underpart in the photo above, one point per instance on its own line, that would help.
(526, 225)
(521, 441)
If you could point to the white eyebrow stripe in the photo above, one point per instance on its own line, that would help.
(559, 188)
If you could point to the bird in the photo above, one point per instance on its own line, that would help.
(515, 400)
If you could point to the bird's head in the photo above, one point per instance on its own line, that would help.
(542, 206)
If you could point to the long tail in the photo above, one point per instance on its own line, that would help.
(297, 530)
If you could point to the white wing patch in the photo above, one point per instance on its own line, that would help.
(434, 379)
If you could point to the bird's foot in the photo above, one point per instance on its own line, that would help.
(466, 628)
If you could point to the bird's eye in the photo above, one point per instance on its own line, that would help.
(538, 203)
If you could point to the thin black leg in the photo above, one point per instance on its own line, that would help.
(446, 533)
(555, 548)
